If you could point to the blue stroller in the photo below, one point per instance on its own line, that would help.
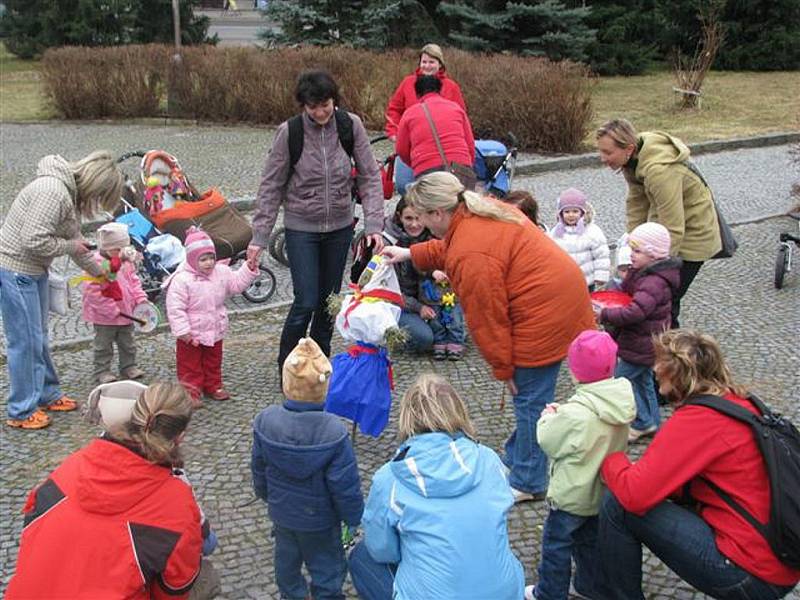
(494, 165)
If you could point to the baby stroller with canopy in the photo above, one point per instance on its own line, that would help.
(160, 209)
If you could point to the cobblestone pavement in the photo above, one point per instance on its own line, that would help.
(734, 300)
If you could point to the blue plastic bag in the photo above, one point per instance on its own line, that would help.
(361, 387)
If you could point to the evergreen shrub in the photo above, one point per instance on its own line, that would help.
(545, 104)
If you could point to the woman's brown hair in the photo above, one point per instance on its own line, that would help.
(692, 363)
(159, 417)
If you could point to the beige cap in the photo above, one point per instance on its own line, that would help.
(434, 51)
(113, 236)
(306, 373)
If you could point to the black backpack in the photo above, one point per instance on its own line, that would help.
(779, 443)
(344, 128)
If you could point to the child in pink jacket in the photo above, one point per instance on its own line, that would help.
(196, 295)
(104, 304)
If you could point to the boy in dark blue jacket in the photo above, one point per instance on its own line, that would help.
(305, 470)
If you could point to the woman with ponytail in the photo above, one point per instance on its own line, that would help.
(523, 297)
(129, 518)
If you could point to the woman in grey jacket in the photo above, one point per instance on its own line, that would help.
(314, 189)
(42, 223)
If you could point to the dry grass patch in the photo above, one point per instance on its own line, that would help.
(734, 104)
(21, 95)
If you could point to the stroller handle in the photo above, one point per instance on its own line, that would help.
(133, 153)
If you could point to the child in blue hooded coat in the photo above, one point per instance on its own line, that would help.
(435, 525)
(304, 468)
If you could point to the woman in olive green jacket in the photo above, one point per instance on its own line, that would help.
(662, 187)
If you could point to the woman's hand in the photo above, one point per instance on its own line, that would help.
(82, 246)
(375, 241)
(396, 254)
(253, 254)
(511, 387)
(427, 313)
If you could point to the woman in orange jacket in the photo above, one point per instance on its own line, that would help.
(523, 297)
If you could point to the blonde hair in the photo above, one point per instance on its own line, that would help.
(99, 182)
(159, 417)
(693, 364)
(444, 191)
(432, 404)
(622, 133)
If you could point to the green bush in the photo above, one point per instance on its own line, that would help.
(545, 104)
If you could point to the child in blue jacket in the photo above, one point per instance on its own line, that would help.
(305, 469)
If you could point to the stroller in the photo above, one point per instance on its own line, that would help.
(495, 164)
(160, 209)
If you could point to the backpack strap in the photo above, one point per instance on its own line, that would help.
(296, 136)
(734, 411)
(344, 129)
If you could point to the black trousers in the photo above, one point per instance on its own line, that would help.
(689, 271)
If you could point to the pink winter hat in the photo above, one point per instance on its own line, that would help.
(592, 356)
(197, 243)
(652, 238)
(572, 198)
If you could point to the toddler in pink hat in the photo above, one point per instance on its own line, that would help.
(577, 435)
(197, 316)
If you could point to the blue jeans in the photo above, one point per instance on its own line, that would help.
(420, 334)
(452, 332)
(24, 302)
(316, 262)
(644, 391)
(323, 555)
(403, 175)
(567, 536)
(372, 580)
(682, 540)
(536, 386)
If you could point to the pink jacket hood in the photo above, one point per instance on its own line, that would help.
(196, 302)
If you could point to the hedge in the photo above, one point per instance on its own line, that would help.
(545, 104)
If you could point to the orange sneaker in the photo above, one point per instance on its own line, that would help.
(38, 420)
(63, 404)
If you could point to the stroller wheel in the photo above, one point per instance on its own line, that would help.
(262, 288)
(277, 246)
(781, 265)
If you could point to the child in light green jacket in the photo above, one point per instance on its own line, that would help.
(577, 436)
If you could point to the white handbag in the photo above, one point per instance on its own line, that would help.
(58, 288)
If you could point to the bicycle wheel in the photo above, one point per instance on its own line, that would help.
(277, 246)
(262, 288)
(781, 266)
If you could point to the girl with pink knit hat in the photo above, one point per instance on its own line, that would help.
(652, 281)
(196, 295)
(583, 240)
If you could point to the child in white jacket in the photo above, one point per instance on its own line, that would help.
(585, 242)
(196, 295)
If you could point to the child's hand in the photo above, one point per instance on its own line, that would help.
(439, 276)
(188, 339)
(597, 310)
(550, 409)
(427, 313)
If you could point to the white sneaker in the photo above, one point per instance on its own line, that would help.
(635, 434)
(529, 595)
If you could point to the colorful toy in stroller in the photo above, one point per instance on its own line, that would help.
(161, 208)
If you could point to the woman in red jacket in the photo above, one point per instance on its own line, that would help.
(431, 62)
(707, 544)
(114, 520)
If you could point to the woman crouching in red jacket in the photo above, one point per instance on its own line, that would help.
(113, 520)
(662, 500)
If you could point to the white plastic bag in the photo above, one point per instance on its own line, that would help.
(58, 289)
(365, 319)
(169, 249)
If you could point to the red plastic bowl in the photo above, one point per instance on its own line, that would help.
(611, 298)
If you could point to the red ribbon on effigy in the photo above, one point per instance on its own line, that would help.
(357, 349)
(386, 295)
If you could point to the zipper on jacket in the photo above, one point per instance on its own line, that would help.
(327, 184)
